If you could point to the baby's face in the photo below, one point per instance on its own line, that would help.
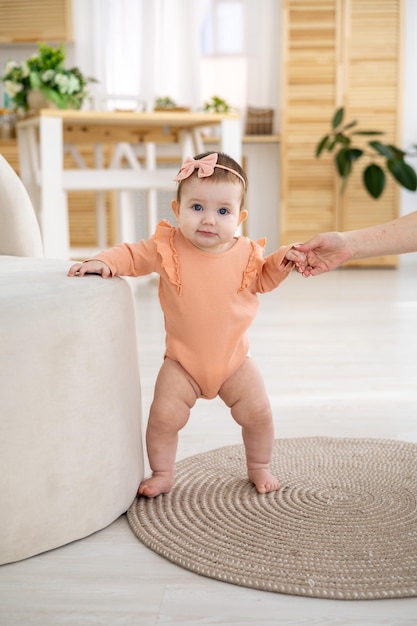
(209, 213)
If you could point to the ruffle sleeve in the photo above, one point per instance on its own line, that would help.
(255, 263)
(164, 239)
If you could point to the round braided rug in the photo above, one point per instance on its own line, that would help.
(342, 526)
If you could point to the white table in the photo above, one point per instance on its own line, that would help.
(43, 138)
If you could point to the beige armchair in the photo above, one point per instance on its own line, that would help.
(19, 230)
(71, 453)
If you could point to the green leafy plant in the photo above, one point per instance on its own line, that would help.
(45, 71)
(216, 105)
(165, 103)
(340, 142)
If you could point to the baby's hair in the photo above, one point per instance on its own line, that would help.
(234, 173)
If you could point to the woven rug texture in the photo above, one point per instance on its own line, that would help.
(343, 525)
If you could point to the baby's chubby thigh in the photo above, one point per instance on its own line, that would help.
(244, 392)
(175, 387)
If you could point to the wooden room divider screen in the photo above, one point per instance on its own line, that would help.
(336, 53)
(23, 21)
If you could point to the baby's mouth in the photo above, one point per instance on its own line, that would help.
(207, 233)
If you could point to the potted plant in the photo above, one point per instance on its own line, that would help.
(168, 104)
(216, 105)
(44, 80)
(339, 141)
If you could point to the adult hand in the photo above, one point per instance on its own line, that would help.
(323, 253)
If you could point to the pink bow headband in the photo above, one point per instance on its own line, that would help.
(205, 167)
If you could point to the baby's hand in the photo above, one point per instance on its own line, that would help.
(90, 267)
(297, 257)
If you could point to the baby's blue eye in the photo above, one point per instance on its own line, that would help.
(223, 211)
(197, 207)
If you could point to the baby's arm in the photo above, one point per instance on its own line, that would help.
(90, 267)
(276, 267)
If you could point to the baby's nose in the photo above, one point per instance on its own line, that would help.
(209, 218)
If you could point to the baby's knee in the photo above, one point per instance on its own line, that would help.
(167, 417)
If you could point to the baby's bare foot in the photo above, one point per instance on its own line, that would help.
(263, 480)
(159, 482)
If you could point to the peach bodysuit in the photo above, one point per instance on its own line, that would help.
(209, 300)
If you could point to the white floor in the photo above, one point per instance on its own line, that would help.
(339, 356)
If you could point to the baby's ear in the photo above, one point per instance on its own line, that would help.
(242, 216)
(175, 208)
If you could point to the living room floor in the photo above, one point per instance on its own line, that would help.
(339, 357)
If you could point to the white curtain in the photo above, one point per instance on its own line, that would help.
(263, 52)
(152, 48)
(142, 48)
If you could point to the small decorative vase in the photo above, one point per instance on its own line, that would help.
(37, 101)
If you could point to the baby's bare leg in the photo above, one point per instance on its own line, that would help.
(245, 394)
(175, 394)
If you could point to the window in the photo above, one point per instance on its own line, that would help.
(223, 52)
(223, 31)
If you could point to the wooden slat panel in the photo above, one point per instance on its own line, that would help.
(372, 94)
(40, 20)
(82, 219)
(8, 149)
(336, 52)
(309, 97)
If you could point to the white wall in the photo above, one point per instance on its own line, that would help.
(409, 199)
(261, 164)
